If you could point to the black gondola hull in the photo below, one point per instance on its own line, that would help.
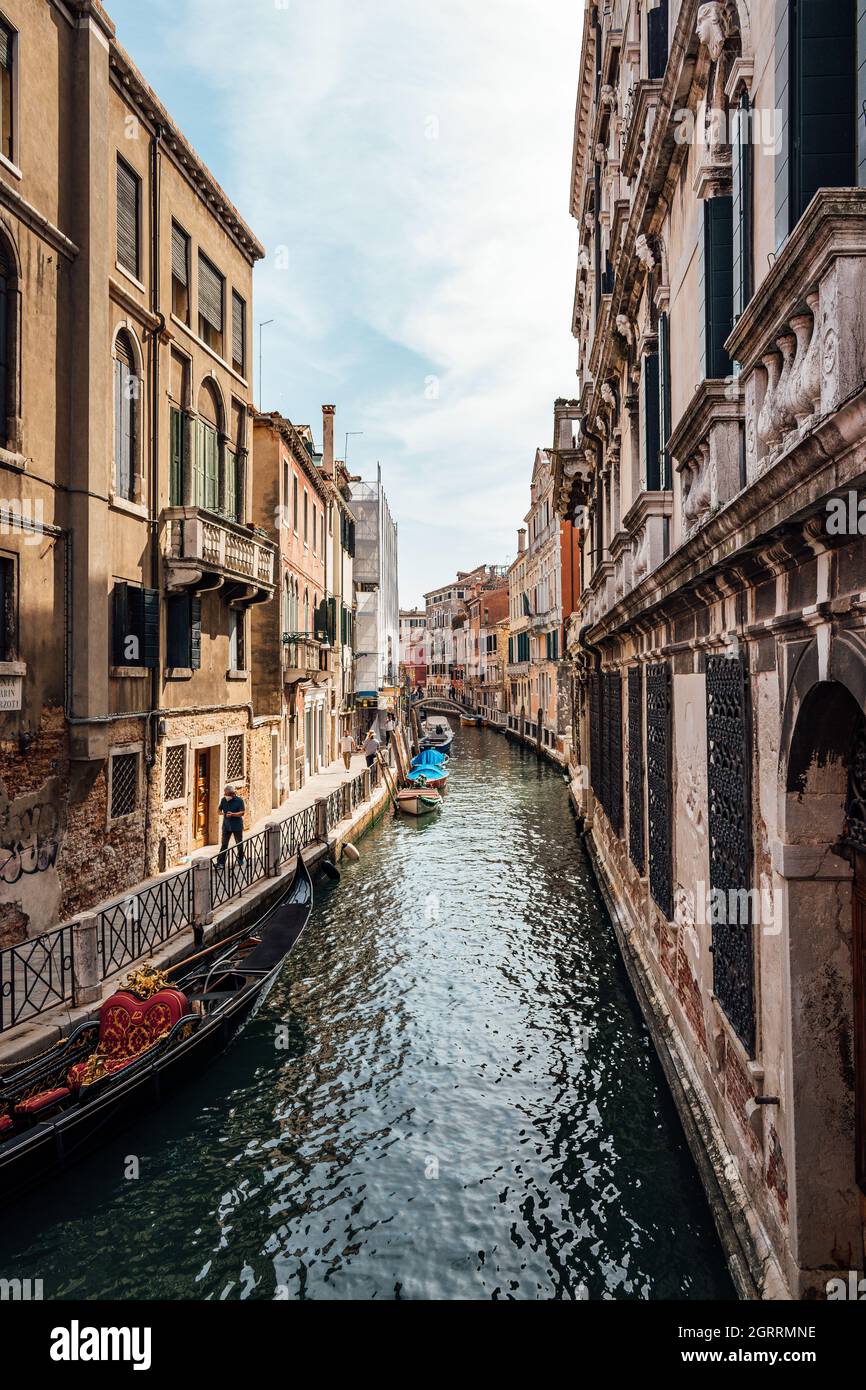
(39, 1153)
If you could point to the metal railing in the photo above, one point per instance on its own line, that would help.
(234, 870)
(297, 832)
(35, 975)
(138, 922)
(38, 974)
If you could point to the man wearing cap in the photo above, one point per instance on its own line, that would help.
(232, 811)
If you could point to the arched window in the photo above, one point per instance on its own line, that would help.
(207, 449)
(307, 611)
(127, 386)
(287, 605)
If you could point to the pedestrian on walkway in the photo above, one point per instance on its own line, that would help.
(370, 747)
(389, 730)
(232, 811)
(347, 747)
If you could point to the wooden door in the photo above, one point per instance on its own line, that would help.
(859, 960)
(201, 797)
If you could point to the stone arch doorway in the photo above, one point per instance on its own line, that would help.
(825, 917)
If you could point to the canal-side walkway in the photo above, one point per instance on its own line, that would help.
(333, 808)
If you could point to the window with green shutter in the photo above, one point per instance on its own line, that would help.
(717, 284)
(128, 196)
(664, 400)
(651, 422)
(183, 631)
(657, 38)
(126, 392)
(135, 625)
(206, 467)
(7, 104)
(823, 95)
(195, 632)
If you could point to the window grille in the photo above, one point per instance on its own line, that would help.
(124, 784)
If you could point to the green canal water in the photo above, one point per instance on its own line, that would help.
(449, 1094)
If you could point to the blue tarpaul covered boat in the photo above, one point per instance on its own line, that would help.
(428, 776)
(431, 757)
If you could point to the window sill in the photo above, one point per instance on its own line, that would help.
(237, 675)
(179, 673)
(129, 672)
(178, 803)
(12, 460)
(128, 275)
(13, 668)
(9, 166)
(123, 504)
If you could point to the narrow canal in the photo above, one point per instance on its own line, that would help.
(450, 1094)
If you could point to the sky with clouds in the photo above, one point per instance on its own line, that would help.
(406, 165)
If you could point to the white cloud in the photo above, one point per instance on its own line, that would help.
(410, 256)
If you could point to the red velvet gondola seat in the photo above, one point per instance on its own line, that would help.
(42, 1101)
(128, 1027)
(6, 1124)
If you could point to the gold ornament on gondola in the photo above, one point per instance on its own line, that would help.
(146, 981)
(94, 1069)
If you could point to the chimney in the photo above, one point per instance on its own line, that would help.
(521, 540)
(328, 439)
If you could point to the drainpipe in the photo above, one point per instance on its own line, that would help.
(153, 508)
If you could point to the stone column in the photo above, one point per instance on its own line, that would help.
(322, 819)
(273, 832)
(201, 895)
(86, 974)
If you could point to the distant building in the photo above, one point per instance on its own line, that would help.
(413, 647)
(377, 623)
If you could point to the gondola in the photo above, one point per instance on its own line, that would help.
(150, 1037)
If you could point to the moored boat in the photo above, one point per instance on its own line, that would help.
(436, 733)
(150, 1037)
(419, 803)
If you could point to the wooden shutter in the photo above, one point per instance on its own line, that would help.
(211, 468)
(741, 159)
(120, 624)
(238, 332)
(717, 271)
(195, 633)
(127, 218)
(179, 254)
(149, 627)
(210, 293)
(5, 48)
(651, 423)
(231, 490)
(175, 483)
(198, 465)
(823, 45)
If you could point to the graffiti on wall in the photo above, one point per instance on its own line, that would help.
(32, 828)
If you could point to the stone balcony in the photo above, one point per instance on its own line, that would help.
(801, 342)
(706, 448)
(638, 119)
(204, 551)
(304, 657)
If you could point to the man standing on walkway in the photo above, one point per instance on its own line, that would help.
(347, 748)
(370, 747)
(389, 730)
(232, 811)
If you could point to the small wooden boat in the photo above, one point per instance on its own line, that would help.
(470, 721)
(437, 733)
(149, 1038)
(418, 802)
(435, 778)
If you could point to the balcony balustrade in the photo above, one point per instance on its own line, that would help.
(205, 551)
(801, 342)
(305, 657)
